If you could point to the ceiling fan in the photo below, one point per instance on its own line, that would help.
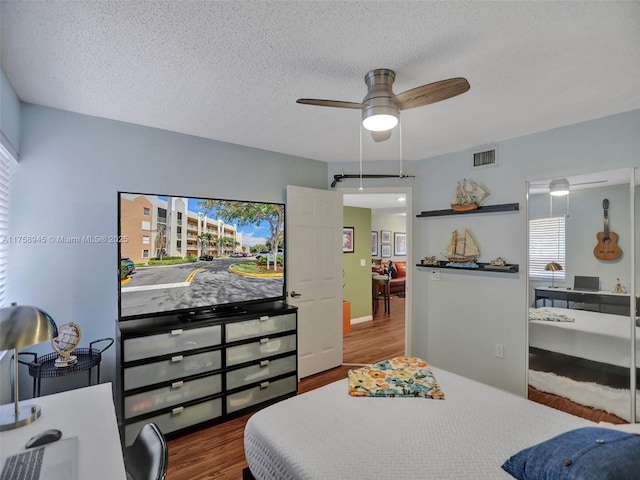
(381, 107)
(560, 186)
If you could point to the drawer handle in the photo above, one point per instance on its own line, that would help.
(263, 318)
(177, 410)
(177, 384)
(263, 341)
(264, 363)
(264, 385)
(177, 332)
(177, 358)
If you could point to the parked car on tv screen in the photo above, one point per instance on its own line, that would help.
(129, 263)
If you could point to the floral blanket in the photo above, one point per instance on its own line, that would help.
(396, 377)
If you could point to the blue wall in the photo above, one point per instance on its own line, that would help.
(72, 167)
(457, 320)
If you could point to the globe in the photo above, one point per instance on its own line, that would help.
(66, 342)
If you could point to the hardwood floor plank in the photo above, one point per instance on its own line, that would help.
(573, 408)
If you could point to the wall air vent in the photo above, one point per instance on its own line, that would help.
(485, 157)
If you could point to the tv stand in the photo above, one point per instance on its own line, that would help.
(185, 374)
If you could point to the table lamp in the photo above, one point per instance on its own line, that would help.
(553, 267)
(22, 326)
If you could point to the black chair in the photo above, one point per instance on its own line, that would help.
(147, 457)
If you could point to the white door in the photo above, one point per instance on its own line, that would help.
(314, 275)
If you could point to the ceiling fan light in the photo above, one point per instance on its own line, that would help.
(559, 187)
(379, 118)
(380, 123)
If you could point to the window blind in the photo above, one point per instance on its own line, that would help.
(546, 244)
(6, 163)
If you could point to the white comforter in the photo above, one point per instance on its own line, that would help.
(599, 337)
(328, 434)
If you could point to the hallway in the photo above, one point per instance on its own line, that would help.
(379, 339)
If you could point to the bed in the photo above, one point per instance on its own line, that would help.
(329, 434)
(598, 337)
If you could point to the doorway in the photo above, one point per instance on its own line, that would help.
(384, 204)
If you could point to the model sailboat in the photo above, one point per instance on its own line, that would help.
(462, 248)
(469, 195)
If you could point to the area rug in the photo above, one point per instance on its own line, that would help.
(612, 400)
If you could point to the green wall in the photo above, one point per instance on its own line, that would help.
(357, 278)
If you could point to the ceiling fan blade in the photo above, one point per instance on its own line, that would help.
(590, 183)
(381, 136)
(330, 103)
(432, 93)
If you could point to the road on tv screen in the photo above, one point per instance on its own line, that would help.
(191, 285)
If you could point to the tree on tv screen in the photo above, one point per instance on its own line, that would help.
(250, 213)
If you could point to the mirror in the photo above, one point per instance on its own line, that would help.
(582, 294)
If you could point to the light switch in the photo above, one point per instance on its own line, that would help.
(362, 262)
(435, 274)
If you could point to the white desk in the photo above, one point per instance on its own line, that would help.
(87, 413)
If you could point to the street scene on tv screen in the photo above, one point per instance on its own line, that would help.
(179, 253)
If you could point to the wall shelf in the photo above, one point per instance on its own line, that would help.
(482, 267)
(505, 207)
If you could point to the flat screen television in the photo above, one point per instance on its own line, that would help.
(200, 257)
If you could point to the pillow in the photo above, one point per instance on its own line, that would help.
(589, 453)
(401, 268)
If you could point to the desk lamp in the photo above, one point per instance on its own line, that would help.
(553, 267)
(22, 326)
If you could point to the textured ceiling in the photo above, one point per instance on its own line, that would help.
(231, 71)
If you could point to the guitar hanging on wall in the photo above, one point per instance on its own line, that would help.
(607, 248)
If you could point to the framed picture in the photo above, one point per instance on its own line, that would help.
(399, 243)
(348, 239)
(386, 236)
(374, 243)
(385, 250)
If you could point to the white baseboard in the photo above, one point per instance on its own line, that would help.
(366, 318)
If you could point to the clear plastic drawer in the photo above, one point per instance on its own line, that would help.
(180, 417)
(176, 367)
(266, 391)
(264, 347)
(177, 393)
(260, 327)
(174, 341)
(260, 371)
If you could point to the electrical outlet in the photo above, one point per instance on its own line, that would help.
(435, 274)
(499, 350)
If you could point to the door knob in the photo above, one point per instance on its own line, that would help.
(295, 295)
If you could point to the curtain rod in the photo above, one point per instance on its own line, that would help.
(339, 178)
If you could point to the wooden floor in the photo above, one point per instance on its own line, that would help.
(218, 452)
(573, 408)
